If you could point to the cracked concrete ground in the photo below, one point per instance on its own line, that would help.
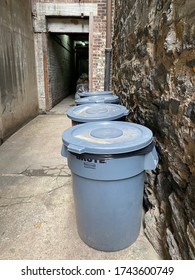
(37, 218)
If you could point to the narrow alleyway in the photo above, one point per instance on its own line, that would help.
(37, 212)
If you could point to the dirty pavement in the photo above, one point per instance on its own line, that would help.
(37, 218)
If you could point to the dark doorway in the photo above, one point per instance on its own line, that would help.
(68, 63)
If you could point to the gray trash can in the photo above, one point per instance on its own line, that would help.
(98, 99)
(108, 162)
(92, 93)
(96, 112)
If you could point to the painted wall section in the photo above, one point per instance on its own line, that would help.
(18, 91)
(154, 75)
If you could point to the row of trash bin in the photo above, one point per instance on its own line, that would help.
(107, 157)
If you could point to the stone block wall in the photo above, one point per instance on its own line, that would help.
(18, 90)
(154, 76)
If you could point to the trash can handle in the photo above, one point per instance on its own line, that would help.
(76, 149)
(151, 160)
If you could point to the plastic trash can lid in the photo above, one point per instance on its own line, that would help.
(89, 93)
(96, 112)
(106, 137)
(97, 99)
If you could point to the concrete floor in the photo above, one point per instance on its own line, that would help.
(37, 218)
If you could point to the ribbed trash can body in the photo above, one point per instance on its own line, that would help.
(108, 162)
(96, 112)
(98, 99)
(108, 220)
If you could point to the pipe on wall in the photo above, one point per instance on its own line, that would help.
(108, 45)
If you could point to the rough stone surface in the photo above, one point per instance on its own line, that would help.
(154, 76)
